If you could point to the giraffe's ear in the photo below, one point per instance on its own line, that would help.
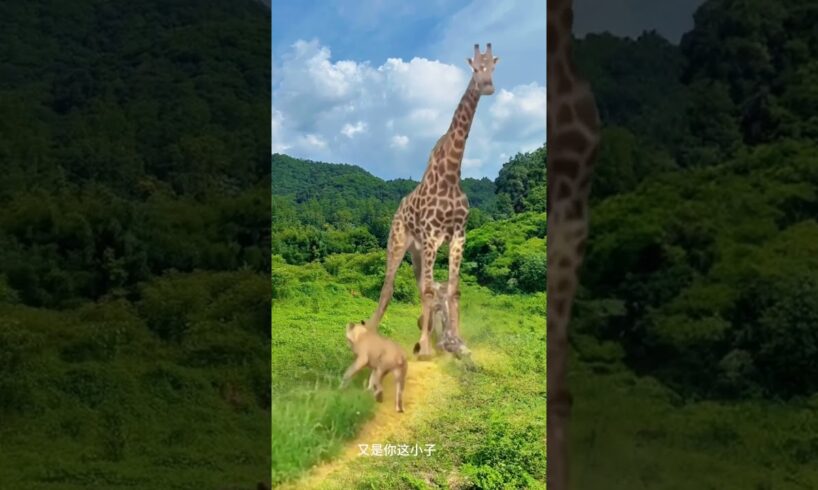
(496, 60)
(471, 64)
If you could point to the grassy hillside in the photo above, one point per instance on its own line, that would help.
(134, 249)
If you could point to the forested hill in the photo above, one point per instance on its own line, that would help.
(319, 208)
(133, 96)
(741, 77)
(307, 180)
(701, 258)
(130, 137)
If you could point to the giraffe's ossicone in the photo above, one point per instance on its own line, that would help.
(435, 212)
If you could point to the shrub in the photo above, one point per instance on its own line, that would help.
(511, 457)
(785, 338)
(530, 272)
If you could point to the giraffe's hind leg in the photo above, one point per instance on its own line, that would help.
(399, 241)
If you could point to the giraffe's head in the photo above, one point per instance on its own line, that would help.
(483, 67)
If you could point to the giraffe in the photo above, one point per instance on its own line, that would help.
(435, 212)
(573, 140)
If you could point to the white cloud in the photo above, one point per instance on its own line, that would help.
(387, 118)
(423, 81)
(523, 107)
(350, 130)
(275, 125)
(315, 141)
(400, 141)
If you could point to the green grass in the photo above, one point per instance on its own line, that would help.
(633, 433)
(489, 433)
(310, 425)
(91, 397)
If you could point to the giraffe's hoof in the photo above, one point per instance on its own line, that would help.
(456, 347)
(424, 355)
(463, 351)
(379, 396)
(421, 353)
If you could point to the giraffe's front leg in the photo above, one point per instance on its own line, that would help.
(423, 347)
(456, 346)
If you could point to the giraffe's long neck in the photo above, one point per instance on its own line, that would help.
(464, 114)
(447, 155)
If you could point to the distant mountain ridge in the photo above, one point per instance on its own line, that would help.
(307, 179)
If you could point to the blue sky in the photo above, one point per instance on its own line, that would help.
(375, 83)
(374, 31)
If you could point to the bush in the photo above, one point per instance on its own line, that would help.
(508, 256)
(7, 293)
(168, 303)
(784, 340)
(530, 272)
(17, 349)
(712, 272)
(511, 457)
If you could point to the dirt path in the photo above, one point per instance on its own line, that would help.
(425, 382)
